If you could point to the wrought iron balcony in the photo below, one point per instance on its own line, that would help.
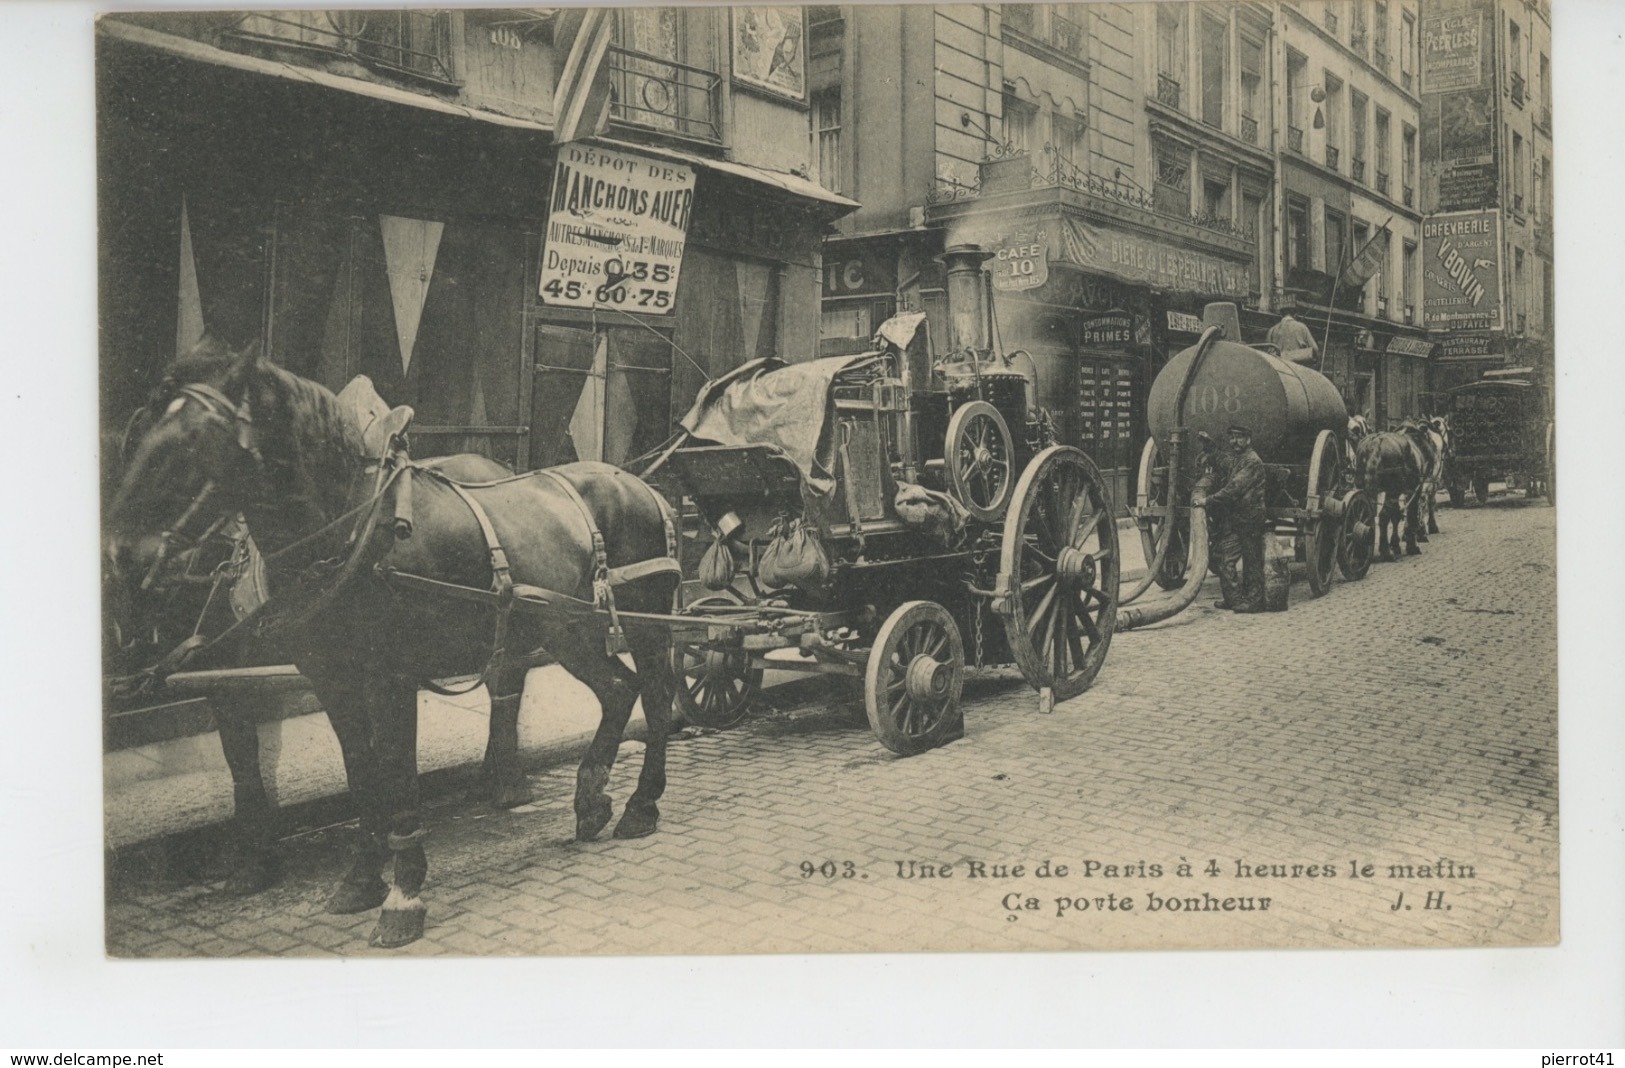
(1167, 91)
(1382, 182)
(1410, 195)
(1294, 139)
(1332, 156)
(662, 94)
(1357, 169)
(1517, 88)
(413, 43)
(1249, 129)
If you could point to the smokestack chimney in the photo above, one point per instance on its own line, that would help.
(967, 296)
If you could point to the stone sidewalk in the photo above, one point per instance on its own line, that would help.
(1374, 767)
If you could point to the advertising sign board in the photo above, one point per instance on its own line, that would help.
(616, 227)
(1461, 272)
(1021, 260)
(1458, 107)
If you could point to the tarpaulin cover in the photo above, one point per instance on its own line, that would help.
(769, 402)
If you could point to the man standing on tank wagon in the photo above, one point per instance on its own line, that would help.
(1232, 490)
(1293, 341)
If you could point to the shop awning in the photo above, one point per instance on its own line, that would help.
(185, 48)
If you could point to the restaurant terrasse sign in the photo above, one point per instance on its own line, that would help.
(1142, 259)
(616, 227)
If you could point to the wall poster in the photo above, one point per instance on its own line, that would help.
(768, 50)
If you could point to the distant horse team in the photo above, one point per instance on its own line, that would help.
(1402, 469)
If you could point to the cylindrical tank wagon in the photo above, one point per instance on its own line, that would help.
(1299, 425)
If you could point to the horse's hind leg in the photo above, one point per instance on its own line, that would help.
(651, 651)
(361, 887)
(502, 780)
(392, 707)
(616, 689)
(253, 864)
(1412, 519)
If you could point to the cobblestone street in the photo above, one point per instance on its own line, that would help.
(1375, 767)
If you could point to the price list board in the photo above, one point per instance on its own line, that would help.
(1105, 412)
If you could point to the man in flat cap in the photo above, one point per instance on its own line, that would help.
(1232, 490)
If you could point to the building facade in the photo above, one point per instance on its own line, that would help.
(1487, 185)
(1126, 164)
(369, 192)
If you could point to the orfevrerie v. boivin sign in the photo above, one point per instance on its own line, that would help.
(1461, 271)
(616, 227)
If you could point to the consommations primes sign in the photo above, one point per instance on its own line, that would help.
(616, 227)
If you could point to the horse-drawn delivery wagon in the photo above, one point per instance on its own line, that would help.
(1298, 423)
(874, 514)
(1501, 427)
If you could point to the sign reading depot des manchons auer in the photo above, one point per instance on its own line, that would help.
(616, 227)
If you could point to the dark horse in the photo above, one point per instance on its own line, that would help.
(1389, 465)
(241, 435)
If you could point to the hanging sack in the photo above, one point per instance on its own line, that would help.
(717, 566)
(795, 557)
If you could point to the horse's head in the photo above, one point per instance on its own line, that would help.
(190, 458)
(1359, 427)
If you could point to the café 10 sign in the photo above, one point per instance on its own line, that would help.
(1020, 260)
(616, 228)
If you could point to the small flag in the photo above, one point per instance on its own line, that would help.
(1369, 261)
(581, 100)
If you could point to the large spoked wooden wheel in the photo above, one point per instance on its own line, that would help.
(1058, 573)
(715, 686)
(1354, 547)
(979, 454)
(913, 678)
(1153, 529)
(1324, 529)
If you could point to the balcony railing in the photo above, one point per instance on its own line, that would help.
(1294, 139)
(1379, 59)
(1410, 195)
(662, 94)
(1517, 88)
(414, 43)
(1332, 156)
(1357, 169)
(1249, 129)
(1382, 182)
(1167, 91)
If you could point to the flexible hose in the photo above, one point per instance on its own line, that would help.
(1176, 442)
(1142, 615)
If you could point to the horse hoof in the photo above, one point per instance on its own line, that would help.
(1413, 551)
(592, 820)
(511, 795)
(349, 897)
(398, 927)
(636, 824)
(251, 875)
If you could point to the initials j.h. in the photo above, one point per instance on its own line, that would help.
(1433, 902)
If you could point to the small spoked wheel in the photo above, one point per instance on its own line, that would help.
(1153, 529)
(1325, 478)
(979, 456)
(1058, 570)
(1354, 545)
(913, 679)
(715, 685)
